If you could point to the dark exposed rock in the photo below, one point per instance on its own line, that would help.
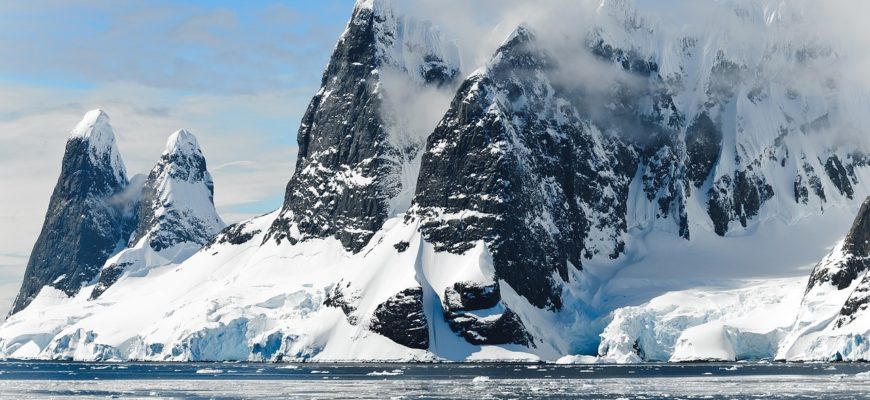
(726, 77)
(855, 261)
(857, 303)
(801, 193)
(168, 221)
(507, 328)
(176, 210)
(108, 276)
(468, 309)
(856, 159)
(345, 171)
(526, 176)
(703, 144)
(737, 198)
(402, 320)
(855, 257)
(401, 246)
(235, 234)
(629, 60)
(664, 182)
(813, 180)
(466, 296)
(839, 176)
(438, 72)
(86, 217)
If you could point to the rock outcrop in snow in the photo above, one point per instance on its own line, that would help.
(87, 217)
(849, 260)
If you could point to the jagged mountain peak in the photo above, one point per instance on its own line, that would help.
(403, 42)
(177, 203)
(355, 156)
(86, 218)
(521, 34)
(182, 159)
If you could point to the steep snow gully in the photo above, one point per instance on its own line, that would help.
(642, 188)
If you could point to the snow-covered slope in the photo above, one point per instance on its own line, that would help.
(784, 319)
(628, 187)
(704, 324)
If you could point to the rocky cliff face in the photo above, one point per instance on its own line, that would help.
(87, 219)
(175, 213)
(529, 176)
(857, 248)
(552, 170)
(350, 163)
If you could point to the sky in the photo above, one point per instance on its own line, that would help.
(237, 74)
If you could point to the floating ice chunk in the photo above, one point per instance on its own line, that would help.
(209, 371)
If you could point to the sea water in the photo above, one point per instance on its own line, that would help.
(45, 379)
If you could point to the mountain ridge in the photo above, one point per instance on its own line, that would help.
(510, 228)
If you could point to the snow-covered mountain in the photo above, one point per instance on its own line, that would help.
(88, 215)
(627, 188)
(143, 223)
(176, 214)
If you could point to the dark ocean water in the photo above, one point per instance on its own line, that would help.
(24, 380)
